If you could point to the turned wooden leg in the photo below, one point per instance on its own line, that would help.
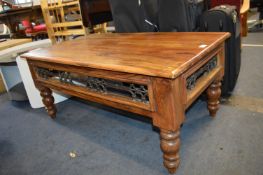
(170, 143)
(213, 96)
(48, 101)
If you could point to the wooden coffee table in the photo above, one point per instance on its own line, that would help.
(157, 75)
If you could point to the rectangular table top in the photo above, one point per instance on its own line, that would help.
(13, 42)
(153, 54)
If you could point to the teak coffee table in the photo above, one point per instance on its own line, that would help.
(157, 75)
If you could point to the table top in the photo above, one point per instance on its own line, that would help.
(153, 54)
(13, 42)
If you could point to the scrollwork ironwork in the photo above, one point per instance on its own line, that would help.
(65, 77)
(44, 73)
(136, 92)
(208, 67)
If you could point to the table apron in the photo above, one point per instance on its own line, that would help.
(126, 91)
(204, 73)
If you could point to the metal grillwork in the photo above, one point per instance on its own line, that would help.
(44, 73)
(135, 92)
(208, 67)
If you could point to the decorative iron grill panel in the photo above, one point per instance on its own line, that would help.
(136, 92)
(208, 67)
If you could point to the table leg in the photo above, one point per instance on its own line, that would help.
(170, 143)
(48, 101)
(213, 95)
(169, 116)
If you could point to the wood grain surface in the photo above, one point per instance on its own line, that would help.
(13, 42)
(154, 54)
(162, 62)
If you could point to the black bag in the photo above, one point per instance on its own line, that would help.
(224, 19)
(180, 15)
(135, 15)
(156, 15)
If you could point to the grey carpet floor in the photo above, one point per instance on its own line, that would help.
(110, 142)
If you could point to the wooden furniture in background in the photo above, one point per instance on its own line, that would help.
(13, 17)
(158, 75)
(13, 42)
(243, 17)
(58, 27)
(7, 5)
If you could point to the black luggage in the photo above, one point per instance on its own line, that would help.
(224, 19)
(156, 15)
(180, 15)
(135, 15)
